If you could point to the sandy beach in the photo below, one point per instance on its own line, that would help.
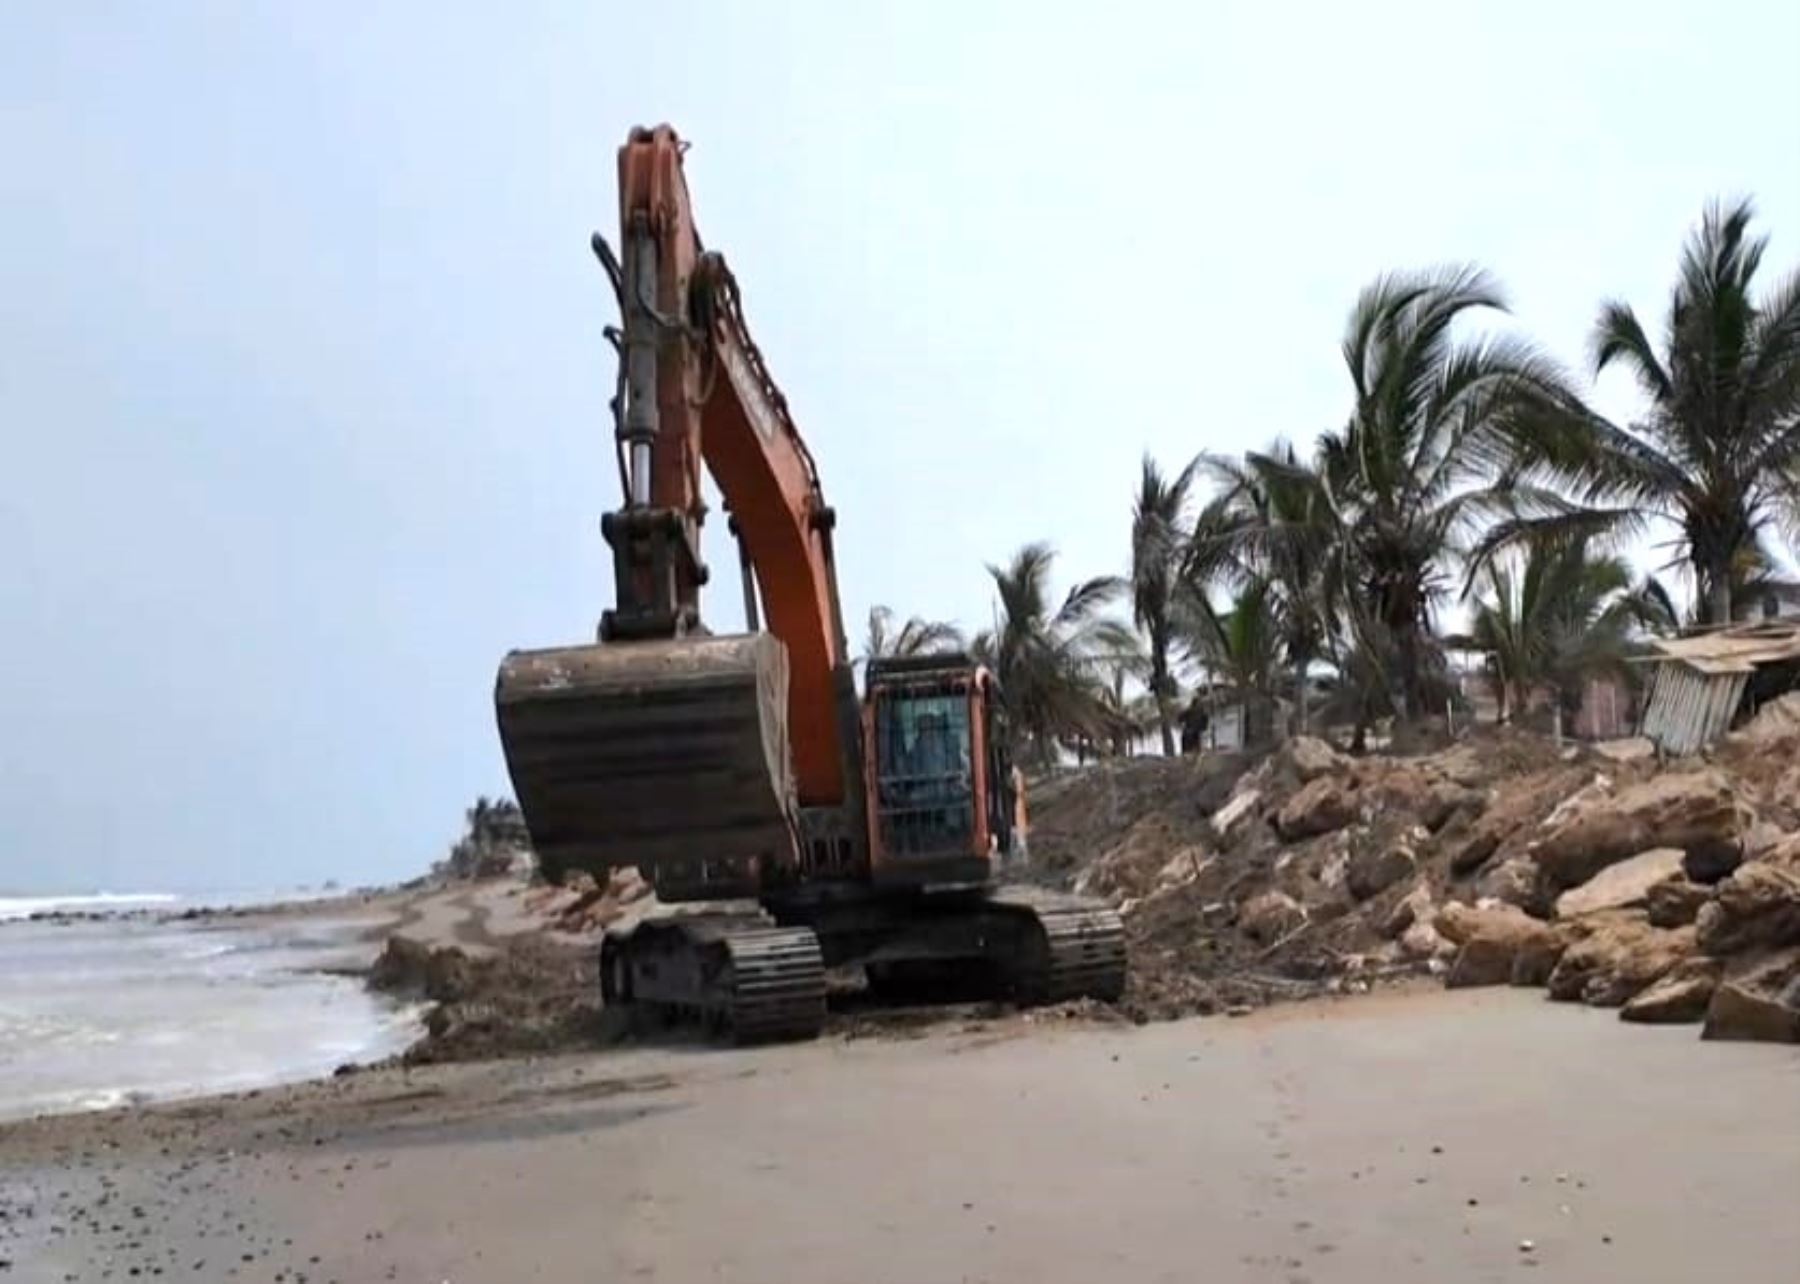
(1426, 1136)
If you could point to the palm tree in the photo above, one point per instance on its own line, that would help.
(1238, 649)
(1428, 453)
(1047, 658)
(1271, 524)
(495, 832)
(1156, 549)
(1121, 662)
(916, 637)
(1556, 617)
(1717, 454)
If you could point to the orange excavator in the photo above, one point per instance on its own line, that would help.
(787, 825)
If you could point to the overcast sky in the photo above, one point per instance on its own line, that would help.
(303, 386)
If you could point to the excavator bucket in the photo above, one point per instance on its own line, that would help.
(671, 756)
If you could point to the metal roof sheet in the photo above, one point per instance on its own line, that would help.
(1735, 650)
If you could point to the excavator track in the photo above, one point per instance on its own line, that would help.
(737, 976)
(777, 985)
(1077, 950)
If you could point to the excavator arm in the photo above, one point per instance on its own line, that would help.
(663, 746)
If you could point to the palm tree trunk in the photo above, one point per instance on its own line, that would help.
(1159, 687)
(1300, 666)
(1721, 597)
(1408, 639)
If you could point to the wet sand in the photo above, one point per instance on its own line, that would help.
(1395, 1138)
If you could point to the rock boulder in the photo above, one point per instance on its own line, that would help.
(1760, 1001)
(1406, 789)
(1422, 941)
(1312, 758)
(1618, 956)
(1376, 869)
(1682, 995)
(1268, 917)
(1230, 821)
(1624, 884)
(1509, 811)
(1675, 901)
(1757, 906)
(1695, 811)
(1414, 907)
(1496, 944)
(1518, 881)
(1324, 804)
(1475, 846)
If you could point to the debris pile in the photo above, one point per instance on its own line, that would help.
(1669, 891)
(531, 992)
(533, 995)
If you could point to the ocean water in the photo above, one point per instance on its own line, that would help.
(101, 1013)
(17, 907)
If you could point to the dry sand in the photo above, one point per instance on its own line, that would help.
(1394, 1138)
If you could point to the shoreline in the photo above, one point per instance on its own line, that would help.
(521, 978)
(1297, 1141)
(284, 983)
(504, 935)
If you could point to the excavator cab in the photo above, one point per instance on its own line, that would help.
(940, 783)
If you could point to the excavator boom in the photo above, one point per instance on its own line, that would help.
(665, 747)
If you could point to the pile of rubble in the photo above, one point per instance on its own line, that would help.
(1670, 891)
(533, 992)
(533, 995)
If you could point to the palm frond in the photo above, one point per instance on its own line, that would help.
(1618, 337)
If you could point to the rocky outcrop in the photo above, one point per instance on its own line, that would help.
(1760, 1001)
(1695, 811)
(1680, 996)
(1625, 884)
(1675, 901)
(1618, 956)
(1322, 805)
(1268, 917)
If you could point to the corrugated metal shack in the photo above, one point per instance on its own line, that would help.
(1697, 683)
